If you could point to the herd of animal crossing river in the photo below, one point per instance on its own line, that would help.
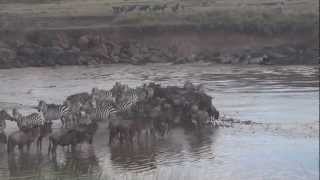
(284, 100)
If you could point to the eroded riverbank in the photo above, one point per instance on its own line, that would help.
(154, 44)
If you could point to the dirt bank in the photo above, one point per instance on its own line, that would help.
(148, 44)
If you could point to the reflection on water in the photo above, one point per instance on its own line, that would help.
(279, 95)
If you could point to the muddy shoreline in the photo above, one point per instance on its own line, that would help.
(154, 44)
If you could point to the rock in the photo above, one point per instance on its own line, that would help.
(226, 59)
(258, 60)
(7, 54)
(3, 45)
(83, 42)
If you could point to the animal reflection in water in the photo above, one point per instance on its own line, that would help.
(133, 115)
(180, 144)
(24, 163)
(79, 162)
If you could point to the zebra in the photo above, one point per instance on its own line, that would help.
(132, 95)
(127, 100)
(3, 117)
(76, 101)
(28, 122)
(54, 112)
(102, 94)
(103, 110)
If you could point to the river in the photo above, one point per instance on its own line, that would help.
(285, 99)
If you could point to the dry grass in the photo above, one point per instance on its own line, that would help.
(262, 16)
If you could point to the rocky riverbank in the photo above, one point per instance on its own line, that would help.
(140, 45)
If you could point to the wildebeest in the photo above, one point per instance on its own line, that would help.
(144, 7)
(64, 137)
(159, 7)
(175, 8)
(130, 8)
(22, 138)
(115, 9)
(124, 129)
(67, 137)
(45, 130)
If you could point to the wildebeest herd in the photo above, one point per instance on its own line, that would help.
(148, 110)
(147, 8)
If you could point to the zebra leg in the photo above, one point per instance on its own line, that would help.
(73, 147)
(10, 146)
(28, 147)
(54, 148)
(62, 122)
(111, 135)
(39, 143)
(20, 146)
(49, 147)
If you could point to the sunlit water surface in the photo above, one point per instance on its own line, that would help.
(275, 95)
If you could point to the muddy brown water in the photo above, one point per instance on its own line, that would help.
(285, 99)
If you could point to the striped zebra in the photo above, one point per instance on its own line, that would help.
(76, 101)
(130, 95)
(53, 112)
(3, 117)
(103, 110)
(27, 122)
(102, 94)
(127, 101)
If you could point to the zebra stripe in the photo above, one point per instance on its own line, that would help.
(29, 121)
(104, 110)
(52, 111)
(103, 94)
(124, 106)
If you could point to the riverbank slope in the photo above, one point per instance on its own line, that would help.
(67, 33)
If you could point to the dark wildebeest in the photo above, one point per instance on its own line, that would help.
(175, 8)
(125, 129)
(115, 9)
(45, 130)
(21, 138)
(66, 137)
(130, 8)
(89, 130)
(159, 7)
(144, 7)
